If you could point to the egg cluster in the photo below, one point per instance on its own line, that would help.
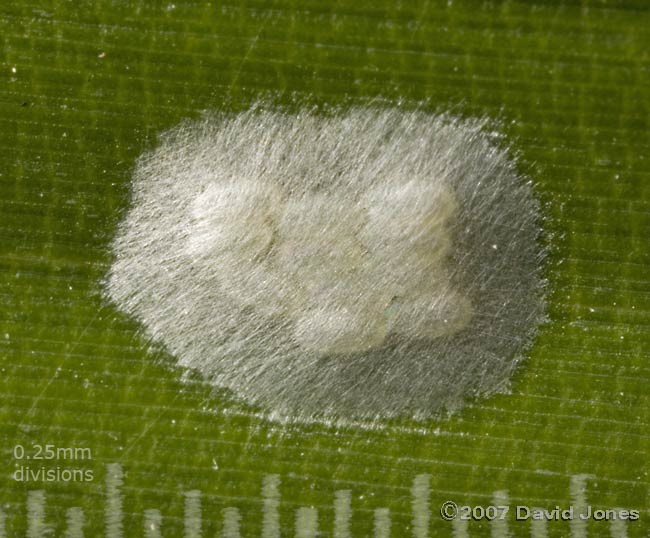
(363, 264)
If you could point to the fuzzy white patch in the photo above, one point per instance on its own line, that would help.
(373, 263)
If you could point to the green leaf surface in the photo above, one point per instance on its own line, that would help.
(86, 87)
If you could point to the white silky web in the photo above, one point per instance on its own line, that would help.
(366, 264)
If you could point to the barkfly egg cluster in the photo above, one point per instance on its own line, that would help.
(366, 263)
